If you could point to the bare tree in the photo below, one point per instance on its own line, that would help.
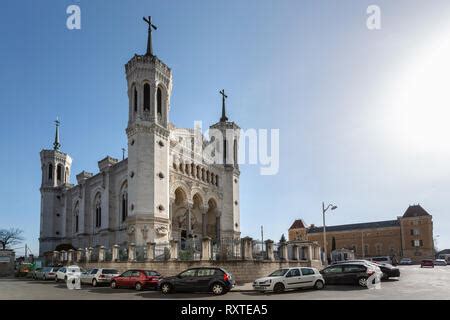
(10, 237)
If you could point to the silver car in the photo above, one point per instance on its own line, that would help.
(98, 276)
(47, 273)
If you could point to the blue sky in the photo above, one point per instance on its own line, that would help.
(351, 129)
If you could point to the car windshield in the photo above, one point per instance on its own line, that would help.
(46, 269)
(110, 271)
(279, 273)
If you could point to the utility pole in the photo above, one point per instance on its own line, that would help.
(324, 210)
(262, 238)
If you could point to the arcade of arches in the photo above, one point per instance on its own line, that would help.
(190, 218)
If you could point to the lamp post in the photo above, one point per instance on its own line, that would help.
(324, 210)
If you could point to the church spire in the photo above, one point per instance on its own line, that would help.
(56, 144)
(224, 96)
(149, 39)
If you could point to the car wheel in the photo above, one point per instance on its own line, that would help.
(56, 279)
(114, 285)
(217, 289)
(94, 282)
(138, 286)
(166, 288)
(318, 285)
(362, 282)
(278, 288)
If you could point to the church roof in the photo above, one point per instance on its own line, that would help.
(298, 224)
(357, 226)
(415, 211)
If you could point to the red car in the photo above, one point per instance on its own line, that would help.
(427, 263)
(138, 279)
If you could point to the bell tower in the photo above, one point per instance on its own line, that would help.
(149, 88)
(226, 134)
(55, 167)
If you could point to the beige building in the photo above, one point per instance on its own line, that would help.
(410, 235)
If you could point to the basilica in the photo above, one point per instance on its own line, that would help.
(168, 188)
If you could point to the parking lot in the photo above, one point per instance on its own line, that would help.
(414, 283)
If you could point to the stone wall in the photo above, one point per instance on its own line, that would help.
(243, 270)
(7, 258)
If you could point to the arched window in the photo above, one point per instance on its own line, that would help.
(135, 97)
(50, 171)
(146, 97)
(77, 222)
(59, 172)
(98, 212)
(159, 101)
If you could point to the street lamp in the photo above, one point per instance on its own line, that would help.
(324, 210)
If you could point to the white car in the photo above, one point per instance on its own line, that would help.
(290, 278)
(98, 276)
(63, 273)
(440, 262)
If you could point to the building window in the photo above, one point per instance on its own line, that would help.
(159, 101)
(59, 172)
(235, 152)
(98, 212)
(417, 243)
(415, 232)
(76, 222)
(146, 97)
(50, 171)
(135, 99)
(366, 249)
(124, 206)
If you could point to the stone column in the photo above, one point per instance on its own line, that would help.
(63, 255)
(189, 220)
(70, 257)
(173, 250)
(310, 255)
(283, 251)
(204, 221)
(79, 255)
(89, 254)
(55, 257)
(101, 254)
(151, 251)
(218, 226)
(206, 249)
(132, 252)
(247, 248)
(295, 255)
(269, 250)
(115, 253)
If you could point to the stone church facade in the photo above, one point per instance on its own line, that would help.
(168, 188)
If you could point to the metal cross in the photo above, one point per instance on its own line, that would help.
(224, 96)
(150, 27)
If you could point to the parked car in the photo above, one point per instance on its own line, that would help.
(427, 263)
(383, 259)
(440, 262)
(138, 279)
(406, 261)
(290, 278)
(201, 279)
(46, 273)
(98, 276)
(350, 273)
(388, 270)
(34, 272)
(63, 273)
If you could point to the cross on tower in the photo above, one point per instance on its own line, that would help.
(56, 144)
(151, 26)
(224, 96)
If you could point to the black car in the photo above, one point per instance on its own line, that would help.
(348, 273)
(389, 271)
(202, 279)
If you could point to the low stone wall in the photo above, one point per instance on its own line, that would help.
(243, 270)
